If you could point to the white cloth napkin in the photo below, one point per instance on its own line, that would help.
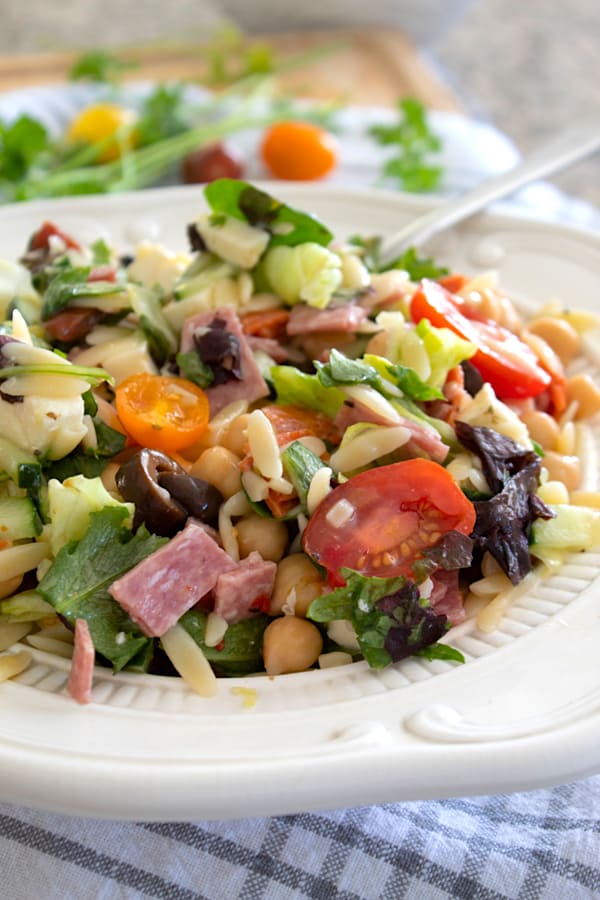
(542, 845)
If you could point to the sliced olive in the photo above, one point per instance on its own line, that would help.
(138, 483)
(197, 496)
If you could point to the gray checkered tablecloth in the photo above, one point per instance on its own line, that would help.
(540, 845)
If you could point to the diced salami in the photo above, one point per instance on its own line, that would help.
(353, 411)
(270, 346)
(306, 320)
(79, 684)
(158, 591)
(246, 383)
(425, 439)
(446, 598)
(245, 587)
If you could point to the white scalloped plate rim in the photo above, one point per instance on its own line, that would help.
(523, 712)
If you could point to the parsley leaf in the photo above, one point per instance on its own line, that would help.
(77, 583)
(413, 142)
(418, 267)
(100, 66)
(191, 367)
(163, 114)
(21, 144)
(69, 284)
(340, 370)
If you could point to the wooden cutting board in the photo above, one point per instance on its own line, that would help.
(364, 67)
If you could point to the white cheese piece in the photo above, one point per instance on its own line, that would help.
(234, 241)
(154, 265)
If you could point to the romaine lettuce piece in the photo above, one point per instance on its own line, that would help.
(70, 504)
(296, 388)
(444, 349)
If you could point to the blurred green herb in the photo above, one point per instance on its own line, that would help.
(22, 143)
(418, 267)
(100, 66)
(413, 141)
(229, 56)
(164, 114)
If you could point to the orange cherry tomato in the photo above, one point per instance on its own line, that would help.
(162, 412)
(298, 151)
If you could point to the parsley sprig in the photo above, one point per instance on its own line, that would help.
(414, 142)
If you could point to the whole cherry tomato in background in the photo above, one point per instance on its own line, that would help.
(212, 162)
(98, 123)
(298, 151)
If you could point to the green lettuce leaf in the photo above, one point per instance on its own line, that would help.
(240, 651)
(77, 583)
(288, 226)
(296, 388)
(444, 349)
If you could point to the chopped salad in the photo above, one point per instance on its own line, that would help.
(267, 454)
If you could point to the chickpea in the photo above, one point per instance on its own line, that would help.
(297, 573)
(268, 537)
(291, 645)
(542, 428)
(559, 334)
(235, 437)
(378, 345)
(108, 477)
(10, 586)
(220, 467)
(582, 390)
(563, 468)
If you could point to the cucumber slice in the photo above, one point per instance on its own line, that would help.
(19, 519)
(20, 466)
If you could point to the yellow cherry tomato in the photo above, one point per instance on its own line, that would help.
(98, 123)
(162, 412)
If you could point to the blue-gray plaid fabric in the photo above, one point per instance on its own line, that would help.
(540, 845)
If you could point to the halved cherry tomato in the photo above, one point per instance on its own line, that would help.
(453, 282)
(40, 239)
(73, 323)
(380, 521)
(98, 123)
(502, 358)
(298, 151)
(162, 412)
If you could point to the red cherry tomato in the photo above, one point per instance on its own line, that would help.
(380, 521)
(39, 240)
(72, 324)
(298, 151)
(210, 163)
(509, 365)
